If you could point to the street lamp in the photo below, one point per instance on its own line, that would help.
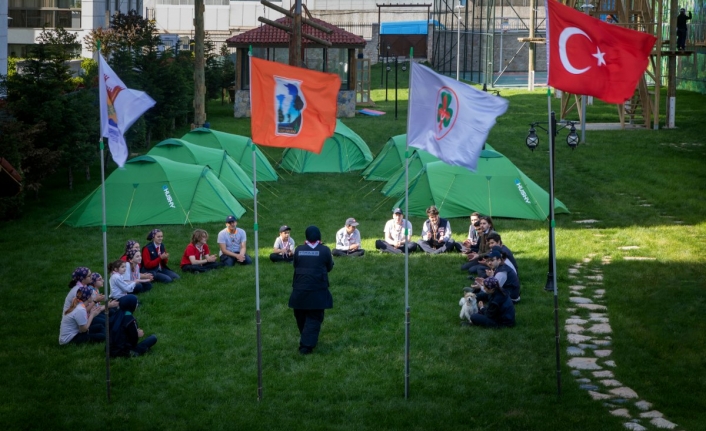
(532, 141)
(458, 40)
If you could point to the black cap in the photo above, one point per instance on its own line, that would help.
(284, 228)
(231, 218)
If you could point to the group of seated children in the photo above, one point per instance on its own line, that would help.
(84, 318)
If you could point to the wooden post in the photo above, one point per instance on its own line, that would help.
(295, 42)
(199, 65)
(672, 70)
(530, 73)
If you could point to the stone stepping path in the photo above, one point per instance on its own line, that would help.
(588, 332)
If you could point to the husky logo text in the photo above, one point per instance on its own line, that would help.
(289, 104)
(170, 201)
(522, 192)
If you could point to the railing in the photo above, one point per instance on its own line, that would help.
(363, 30)
(191, 2)
(44, 4)
(44, 18)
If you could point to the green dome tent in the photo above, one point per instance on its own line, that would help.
(238, 147)
(388, 160)
(345, 151)
(395, 185)
(225, 168)
(498, 189)
(152, 190)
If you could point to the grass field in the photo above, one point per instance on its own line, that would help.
(202, 374)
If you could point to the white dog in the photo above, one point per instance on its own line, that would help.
(469, 305)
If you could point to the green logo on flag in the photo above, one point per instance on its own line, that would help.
(446, 110)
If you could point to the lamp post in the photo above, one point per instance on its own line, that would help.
(458, 40)
(532, 141)
(587, 6)
(387, 69)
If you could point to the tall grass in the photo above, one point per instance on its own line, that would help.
(202, 373)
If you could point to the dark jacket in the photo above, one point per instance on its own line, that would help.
(682, 19)
(310, 281)
(512, 283)
(150, 257)
(123, 332)
(500, 309)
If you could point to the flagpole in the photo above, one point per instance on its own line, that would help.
(552, 244)
(406, 244)
(105, 254)
(257, 254)
(105, 273)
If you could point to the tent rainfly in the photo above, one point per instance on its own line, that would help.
(225, 168)
(345, 151)
(498, 189)
(152, 190)
(238, 147)
(394, 186)
(388, 160)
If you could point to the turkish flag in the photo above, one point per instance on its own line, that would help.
(591, 57)
(292, 107)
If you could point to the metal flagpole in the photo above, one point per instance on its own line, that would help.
(552, 242)
(105, 257)
(406, 246)
(257, 259)
(105, 273)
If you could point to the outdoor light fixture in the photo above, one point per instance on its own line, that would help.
(572, 139)
(532, 140)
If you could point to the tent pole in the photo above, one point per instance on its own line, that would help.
(105, 276)
(257, 281)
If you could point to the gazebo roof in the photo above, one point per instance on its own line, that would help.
(267, 35)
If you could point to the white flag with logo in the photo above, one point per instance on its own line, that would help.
(448, 118)
(120, 108)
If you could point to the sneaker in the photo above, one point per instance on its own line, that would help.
(305, 350)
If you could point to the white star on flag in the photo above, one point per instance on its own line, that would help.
(599, 55)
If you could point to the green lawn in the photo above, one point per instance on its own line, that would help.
(202, 374)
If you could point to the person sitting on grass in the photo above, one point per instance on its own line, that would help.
(131, 244)
(501, 271)
(197, 257)
(97, 284)
(232, 242)
(494, 240)
(395, 238)
(76, 322)
(476, 265)
(125, 334)
(436, 233)
(470, 244)
(118, 286)
(155, 258)
(133, 273)
(283, 249)
(348, 240)
(79, 278)
(498, 310)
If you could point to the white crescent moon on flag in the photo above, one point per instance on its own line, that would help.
(563, 38)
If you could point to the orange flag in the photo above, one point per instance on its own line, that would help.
(292, 107)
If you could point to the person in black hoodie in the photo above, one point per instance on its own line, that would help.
(682, 28)
(124, 333)
(310, 288)
(499, 312)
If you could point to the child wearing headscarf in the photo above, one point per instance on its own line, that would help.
(77, 319)
(80, 277)
(125, 334)
(155, 257)
(129, 245)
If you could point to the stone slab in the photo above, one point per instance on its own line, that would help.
(642, 404)
(624, 392)
(610, 364)
(602, 353)
(632, 426)
(663, 423)
(599, 396)
(574, 351)
(604, 374)
(600, 328)
(576, 321)
(593, 306)
(587, 221)
(584, 363)
(629, 247)
(651, 414)
(576, 338)
(621, 412)
(574, 329)
(611, 383)
(580, 300)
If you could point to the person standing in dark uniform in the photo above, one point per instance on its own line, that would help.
(682, 29)
(310, 294)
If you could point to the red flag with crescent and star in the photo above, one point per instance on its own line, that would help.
(591, 57)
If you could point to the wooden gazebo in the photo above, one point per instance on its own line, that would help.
(272, 44)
